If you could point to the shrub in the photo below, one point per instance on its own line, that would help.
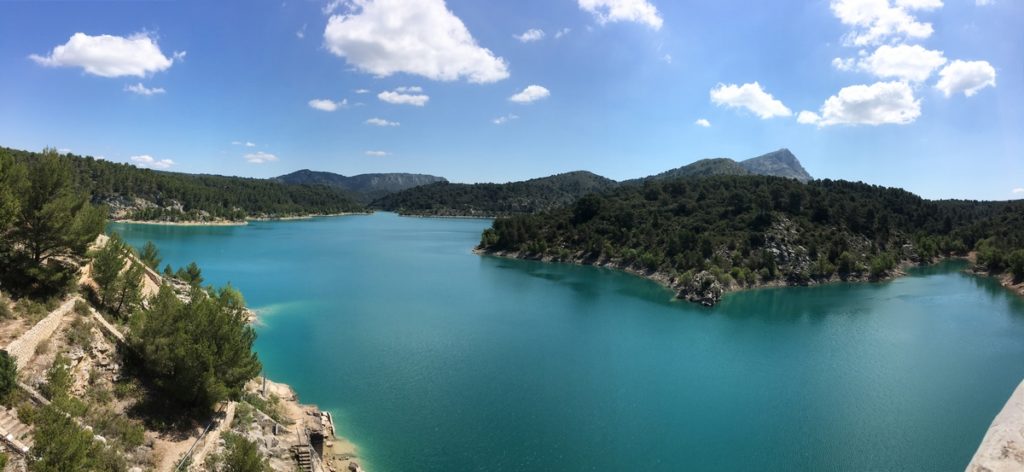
(82, 308)
(8, 376)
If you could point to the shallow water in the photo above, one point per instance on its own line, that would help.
(437, 359)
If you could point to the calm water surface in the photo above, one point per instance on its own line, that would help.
(436, 359)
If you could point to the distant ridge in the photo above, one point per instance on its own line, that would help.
(781, 163)
(366, 187)
(529, 196)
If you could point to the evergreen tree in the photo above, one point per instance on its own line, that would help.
(107, 266)
(190, 274)
(61, 445)
(127, 291)
(199, 352)
(150, 255)
(54, 218)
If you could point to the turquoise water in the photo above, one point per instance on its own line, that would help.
(436, 359)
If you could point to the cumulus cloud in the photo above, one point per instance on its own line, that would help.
(110, 56)
(844, 64)
(562, 32)
(377, 153)
(382, 122)
(911, 63)
(530, 94)
(968, 77)
(703, 123)
(505, 119)
(530, 35)
(405, 96)
(143, 90)
(749, 96)
(260, 157)
(324, 104)
(421, 37)
(878, 21)
(610, 11)
(146, 160)
(876, 104)
(362, 91)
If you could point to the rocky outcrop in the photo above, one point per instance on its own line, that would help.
(703, 288)
(1002, 449)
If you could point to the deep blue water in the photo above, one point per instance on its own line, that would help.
(437, 359)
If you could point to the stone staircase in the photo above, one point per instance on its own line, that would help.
(304, 456)
(15, 433)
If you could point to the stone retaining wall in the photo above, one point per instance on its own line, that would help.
(24, 348)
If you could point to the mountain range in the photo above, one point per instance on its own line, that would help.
(365, 187)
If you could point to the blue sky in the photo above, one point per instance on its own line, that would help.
(857, 89)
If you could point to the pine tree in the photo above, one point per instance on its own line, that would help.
(150, 255)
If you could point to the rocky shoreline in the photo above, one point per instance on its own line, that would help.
(703, 288)
(229, 222)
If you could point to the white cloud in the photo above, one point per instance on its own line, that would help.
(1018, 190)
(982, 3)
(844, 64)
(397, 97)
(249, 144)
(260, 157)
(146, 160)
(912, 63)
(328, 105)
(110, 56)
(421, 37)
(703, 123)
(751, 97)
(505, 119)
(877, 21)
(244, 143)
(362, 91)
(968, 77)
(531, 93)
(562, 32)
(414, 89)
(382, 122)
(876, 104)
(610, 11)
(807, 118)
(301, 33)
(143, 90)
(530, 35)
(377, 153)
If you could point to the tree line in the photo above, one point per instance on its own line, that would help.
(176, 197)
(748, 230)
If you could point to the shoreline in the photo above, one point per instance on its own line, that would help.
(668, 282)
(244, 222)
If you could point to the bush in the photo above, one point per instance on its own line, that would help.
(8, 376)
(80, 333)
(43, 347)
(61, 445)
(82, 308)
(242, 455)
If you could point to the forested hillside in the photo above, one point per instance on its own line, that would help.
(144, 194)
(709, 235)
(530, 196)
(365, 187)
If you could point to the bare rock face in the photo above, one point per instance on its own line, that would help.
(1002, 449)
(703, 288)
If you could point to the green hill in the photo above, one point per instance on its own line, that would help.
(144, 194)
(365, 187)
(705, 236)
(530, 196)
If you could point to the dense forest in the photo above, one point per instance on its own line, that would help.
(144, 194)
(530, 196)
(704, 236)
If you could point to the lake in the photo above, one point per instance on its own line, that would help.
(433, 358)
